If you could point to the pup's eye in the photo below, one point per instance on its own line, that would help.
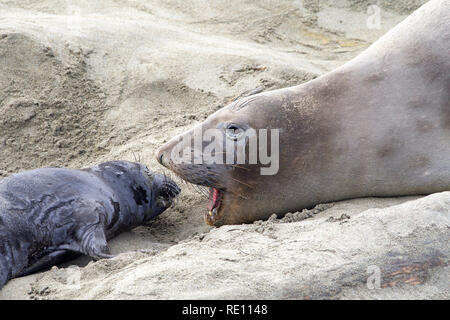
(234, 131)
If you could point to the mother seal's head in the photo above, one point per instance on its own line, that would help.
(376, 126)
(237, 189)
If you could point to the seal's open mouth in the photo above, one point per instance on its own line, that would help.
(215, 199)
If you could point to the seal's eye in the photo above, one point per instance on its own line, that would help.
(234, 131)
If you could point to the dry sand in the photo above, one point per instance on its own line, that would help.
(83, 82)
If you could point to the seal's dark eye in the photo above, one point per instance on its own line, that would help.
(234, 131)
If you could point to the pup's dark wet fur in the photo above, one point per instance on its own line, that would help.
(47, 215)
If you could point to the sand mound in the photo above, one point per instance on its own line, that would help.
(84, 82)
(49, 108)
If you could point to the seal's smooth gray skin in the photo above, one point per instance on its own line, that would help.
(48, 214)
(377, 126)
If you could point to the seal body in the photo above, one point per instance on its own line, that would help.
(377, 126)
(48, 214)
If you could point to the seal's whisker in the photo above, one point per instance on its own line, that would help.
(243, 168)
(238, 195)
(203, 192)
(245, 184)
(136, 159)
(193, 186)
(197, 189)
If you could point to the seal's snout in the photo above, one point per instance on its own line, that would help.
(160, 158)
(166, 191)
(169, 189)
(164, 153)
(161, 155)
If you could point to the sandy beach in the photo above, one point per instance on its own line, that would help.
(84, 82)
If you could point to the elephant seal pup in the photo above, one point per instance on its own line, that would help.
(47, 214)
(377, 126)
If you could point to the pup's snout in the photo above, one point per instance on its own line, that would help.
(166, 190)
(169, 188)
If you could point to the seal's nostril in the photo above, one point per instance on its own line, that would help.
(159, 157)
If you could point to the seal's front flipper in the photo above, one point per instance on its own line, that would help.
(98, 252)
(47, 261)
(90, 238)
(94, 244)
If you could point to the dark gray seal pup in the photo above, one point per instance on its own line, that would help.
(47, 215)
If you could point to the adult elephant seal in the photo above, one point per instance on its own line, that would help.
(46, 214)
(377, 126)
